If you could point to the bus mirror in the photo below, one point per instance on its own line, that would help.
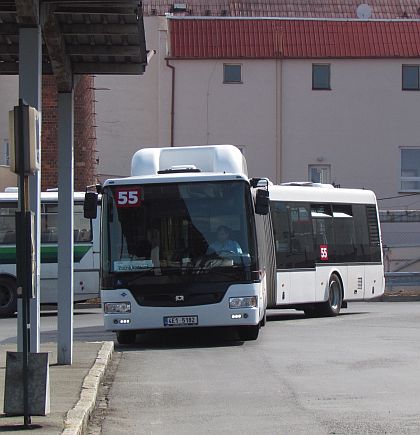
(90, 205)
(262, 202)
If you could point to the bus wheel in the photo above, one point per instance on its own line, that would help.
(8, 296)
(335, 297)
(126, 337)
(248, 333)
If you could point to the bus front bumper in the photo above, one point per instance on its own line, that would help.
(239, 307)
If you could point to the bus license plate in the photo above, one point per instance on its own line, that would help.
(180, 321)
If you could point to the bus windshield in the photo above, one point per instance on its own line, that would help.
(191, 228)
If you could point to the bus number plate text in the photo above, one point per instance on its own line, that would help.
(180, 321)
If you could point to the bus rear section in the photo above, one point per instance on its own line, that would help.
(86, 251)
(327, 246)
(179, 250)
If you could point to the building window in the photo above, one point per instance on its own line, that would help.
(320, 174)
(410, 169)
(232, 73)
(321, 76)
(410, 78)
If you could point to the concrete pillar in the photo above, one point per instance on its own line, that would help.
(65, 296)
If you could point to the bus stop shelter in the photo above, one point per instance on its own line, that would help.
(65, 38)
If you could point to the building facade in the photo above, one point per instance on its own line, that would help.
(328, 100)
(316, 100)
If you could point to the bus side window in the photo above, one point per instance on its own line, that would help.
(49, 233)
(322, 224)
(361, 232)
(7, 223)
(293, 235)
(302, 244)
(9, 238)
(81, 225)
(280, 220)
(344, 233)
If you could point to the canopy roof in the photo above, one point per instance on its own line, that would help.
(79, 36)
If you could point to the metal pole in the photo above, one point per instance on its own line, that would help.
(21, 259)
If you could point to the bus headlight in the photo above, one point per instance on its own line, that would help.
(117, 307)
(243, 302)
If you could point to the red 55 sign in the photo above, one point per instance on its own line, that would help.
(128, 197)
(323, 252)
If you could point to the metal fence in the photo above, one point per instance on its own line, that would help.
(395, 281)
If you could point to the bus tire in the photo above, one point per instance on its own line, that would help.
(8, 296)
(126, 337)
(248, 333)
(332, 306)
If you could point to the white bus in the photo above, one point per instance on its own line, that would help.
(162, 264)
(86, 251)
(327, 247)
(189, 241)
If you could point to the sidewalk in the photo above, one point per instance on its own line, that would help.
(73, 388)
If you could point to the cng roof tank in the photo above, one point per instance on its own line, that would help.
(206, 158)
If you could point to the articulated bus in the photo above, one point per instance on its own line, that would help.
(327, 246)
(86, 251)
(189, 241)
(163, 265)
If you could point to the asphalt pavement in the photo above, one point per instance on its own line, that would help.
(73, 388)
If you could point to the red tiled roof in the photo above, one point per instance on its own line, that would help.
(262, 38)
(381, 9)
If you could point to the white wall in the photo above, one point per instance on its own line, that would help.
(209, 111)
(357, 127)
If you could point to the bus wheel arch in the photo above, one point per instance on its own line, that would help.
(8, 295)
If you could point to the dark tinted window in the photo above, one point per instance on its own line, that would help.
(339, 233)
(322, 220)
(293, 235)
(344, 233)
(362, 233)
(374, 238)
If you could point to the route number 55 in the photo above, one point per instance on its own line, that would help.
(324, 252)
(128, 197)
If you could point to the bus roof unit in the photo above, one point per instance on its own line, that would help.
(208, 158)
(316, 193)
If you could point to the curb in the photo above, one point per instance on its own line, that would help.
(77, 418)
